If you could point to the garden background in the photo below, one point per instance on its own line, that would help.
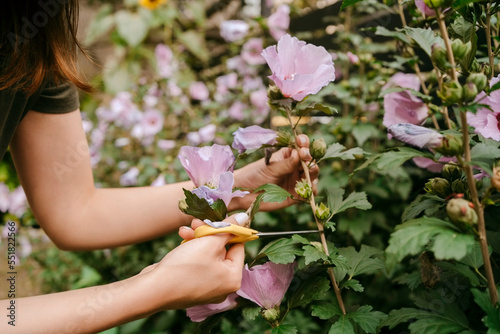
(187, 72)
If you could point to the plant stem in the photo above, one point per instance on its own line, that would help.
(487, 29)
(320, 226)
(478, 207)
(446, 38)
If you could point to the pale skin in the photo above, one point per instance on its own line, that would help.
(52, 160)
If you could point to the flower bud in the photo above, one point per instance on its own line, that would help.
(433, 4)
(486, 69)
(439, 57)
(317, 148)
(461, 212)
(438, 186)
(479, 80)
(322, 211)
(459, 49)
(451, 93)
(470, 92)
(303, 189)
(452, 145)
(459, 186)
(495, 179)
(451, 171)
(284, 138)
(271, 315)
(183, 205)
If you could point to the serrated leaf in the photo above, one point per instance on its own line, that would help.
(313, 254)
(395, 317)
(336, 150)
(424, 38)
(494, 88)
(411, 237)
(427, 204)
(362, 132)
(483, 154)
(311, 288)
(352, 284)
(492, 318)
(255, 207)
(461, 269)
(326, 310)
(132, 27)
(463, 29)
(343, 325)
(251, 312)
(382, 31)
(316, 106)
(363, 262)
(282, 251)
(435, 324)
(284, 329)
(367, 319)
(199, 208)
(356, 200)
(474, 257)
(273, 193)
(393, 159)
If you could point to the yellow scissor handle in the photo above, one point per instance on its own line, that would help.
(242, 234)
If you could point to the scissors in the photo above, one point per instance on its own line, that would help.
(242, 234)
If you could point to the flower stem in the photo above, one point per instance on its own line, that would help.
(478, 207)
(446, 38)
(487, 30)
(320, 226)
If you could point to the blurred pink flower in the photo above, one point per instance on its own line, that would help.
(226, 82)
(199, 91)
(173, 89)
(430, 165)
(18, 202)
(424, 9)
(415, 135)
(404, 107)
(252, 83)
(279, 21)
(259, 100)
(201, 312)
(130, 177)
(25, 247)
(203, 135)
(204, 165)
(164, 60)
(233, 30)
(266, 284)
(123, 111)
(299, 69)
(253, 137)
(235, 111)
(166, 145)
(159, 181)
(485, 121)
(4, 197)
(353, 59)
(9, 229)
(251, 51)
(152, 122)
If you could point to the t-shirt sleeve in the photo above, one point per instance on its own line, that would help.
(59, 99)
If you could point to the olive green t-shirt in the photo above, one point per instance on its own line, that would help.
(14, 106)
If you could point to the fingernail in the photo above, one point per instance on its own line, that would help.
(185, 228)
(241, 218)
(301, 140)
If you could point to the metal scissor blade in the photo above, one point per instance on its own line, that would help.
(263, 234)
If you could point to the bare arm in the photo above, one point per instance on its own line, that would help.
(53, 163)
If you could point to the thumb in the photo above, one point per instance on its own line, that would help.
(236, 254)
(285, 165)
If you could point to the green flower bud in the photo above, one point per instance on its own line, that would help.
(439, 57)
(284, 138)
(451, 93)
(452, 145)
(459, 186)
(486, 69)
(438, 186)
(271, 315)
(322, 211)
(461, 212)
(303, 189)
(317, 148)
(479, 80)
(470, 92)
(274, 94)
(183, 205)
(451, 171)
(459, 49)
(495, 179)
(433, 4)
(475, 67)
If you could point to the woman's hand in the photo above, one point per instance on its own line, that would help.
(284, 170)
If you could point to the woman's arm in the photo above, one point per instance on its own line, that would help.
(52, 159)
(200, 271)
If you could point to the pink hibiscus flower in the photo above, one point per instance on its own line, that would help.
(485, 121)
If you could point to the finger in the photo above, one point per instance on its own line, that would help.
(238, 219)
(303, 141)
(286, 165)
(195, 223)
(186, 233)
(236, 254)
(305, 154)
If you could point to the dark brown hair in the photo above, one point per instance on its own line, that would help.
(38, 44)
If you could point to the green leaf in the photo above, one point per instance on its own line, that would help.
(367, 319)
(313, 254)
(282, 251)
(326, 310)
(446, 243)
(393, 159)
(132, 27)
(352, 284)
(436, 324)
(199, 208)
(255, 207)
(382, 31)
(195, 43)
(474, 257)
(463, 29)
(88, 277)
(336, 150)
(424, 38)
(492, 318)
(251, 312)
(311, 288)
(395, 317)
(365, 261)
(101, 24)
(363, 131)
(494, 88)
(284, 329)
(316, 106)
(461, 269)
(343, 325)
(484, 155)
(356, 200)
(427, 204)
(347, 3)
(273, 193)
